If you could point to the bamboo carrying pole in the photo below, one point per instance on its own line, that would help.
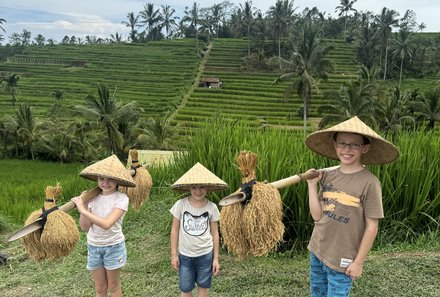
(37, 224)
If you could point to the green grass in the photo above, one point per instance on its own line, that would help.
(398, 270)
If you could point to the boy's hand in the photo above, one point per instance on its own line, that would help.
(354, 271)
(215, 267)
(175, 262)
(316, 179)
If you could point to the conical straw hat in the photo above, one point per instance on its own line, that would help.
(198, 175)
(109, 167)
(381, 151)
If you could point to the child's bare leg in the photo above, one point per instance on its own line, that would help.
(114, 282)
(186, 294)
(100, 278)
(202, 292)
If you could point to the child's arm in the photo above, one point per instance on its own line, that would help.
(216, 240)
(174, 237)
(314, 204)
(354, 270)
(104, 223)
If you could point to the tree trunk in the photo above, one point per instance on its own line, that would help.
(279, 51)
(401, 67)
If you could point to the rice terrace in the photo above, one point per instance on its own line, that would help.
(204, 87)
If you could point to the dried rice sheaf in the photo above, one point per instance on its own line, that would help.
(140, 194)
(59, 235)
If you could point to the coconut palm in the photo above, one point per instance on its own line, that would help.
(394, 111)
(11, 86)
(192, 17)
(151, 19)
(248, 13)
(402, 48)
(344, 9)
(1, 25)
(386, 20)
(132, 22)
(26, 127)
(281, 19)
(168, 20)
(353, 98)
(428, 108)
(308, 62)
(107, 111)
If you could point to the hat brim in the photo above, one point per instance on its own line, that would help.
(121, 182)
(210, 187)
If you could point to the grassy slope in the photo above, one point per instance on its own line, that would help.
(393, 271)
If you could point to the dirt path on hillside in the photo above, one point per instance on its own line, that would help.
(195, 84)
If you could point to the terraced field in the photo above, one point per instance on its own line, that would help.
(251, 96)
(155, 75)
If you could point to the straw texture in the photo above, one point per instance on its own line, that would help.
(199, 175)
(109, 167)
(139, 194)
(381, 151)
(59, 236)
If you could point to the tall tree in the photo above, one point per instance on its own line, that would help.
(27, 127)
(11, 86)
(151, 19)
(192, 17)
(429, 108)
(2, 29)
(133, 23)
(249, 13)
(402, 48)
(168, 20)
(107, 111)
(308, 62)
(281, 19)
(344, 9)
(386, 20)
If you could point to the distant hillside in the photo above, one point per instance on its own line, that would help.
(162, 76)
(156, 74)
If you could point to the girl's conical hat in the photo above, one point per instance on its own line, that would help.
(110, 167)
(198, 175)
(381, 151)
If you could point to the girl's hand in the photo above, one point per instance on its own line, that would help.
(78, 203)
(215, 267)
(175, 262)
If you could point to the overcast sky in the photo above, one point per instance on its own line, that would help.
(57, 18)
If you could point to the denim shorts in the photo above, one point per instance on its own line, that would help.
(110, 257)
(195, 270)
(326, 282)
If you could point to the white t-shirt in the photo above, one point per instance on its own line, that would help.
(195, 237)
(102, 206)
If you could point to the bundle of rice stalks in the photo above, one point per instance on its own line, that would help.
(139, 194)
(59, 234)
(254, 226)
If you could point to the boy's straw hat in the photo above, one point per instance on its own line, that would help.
(381, 151)
(109, 167)
(198, 175)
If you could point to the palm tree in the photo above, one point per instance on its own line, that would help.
(386, 20)
(248, 12)
(281, 18)
(192, 17)
(393, 112)
(11, 86)
(107, 110)
(1, 25)
(344, 8)
(352, 99)
(152, 19)
(117, 38)
(402, 48)
(429, 108)
(308, 61)
(168, 20)
(132, 22)
(27, 127)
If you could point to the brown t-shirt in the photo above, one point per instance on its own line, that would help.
(346, 200)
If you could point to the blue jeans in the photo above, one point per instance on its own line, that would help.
(326, 282)
(195, 270)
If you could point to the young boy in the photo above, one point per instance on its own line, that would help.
(194, 232)
(347, 206)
